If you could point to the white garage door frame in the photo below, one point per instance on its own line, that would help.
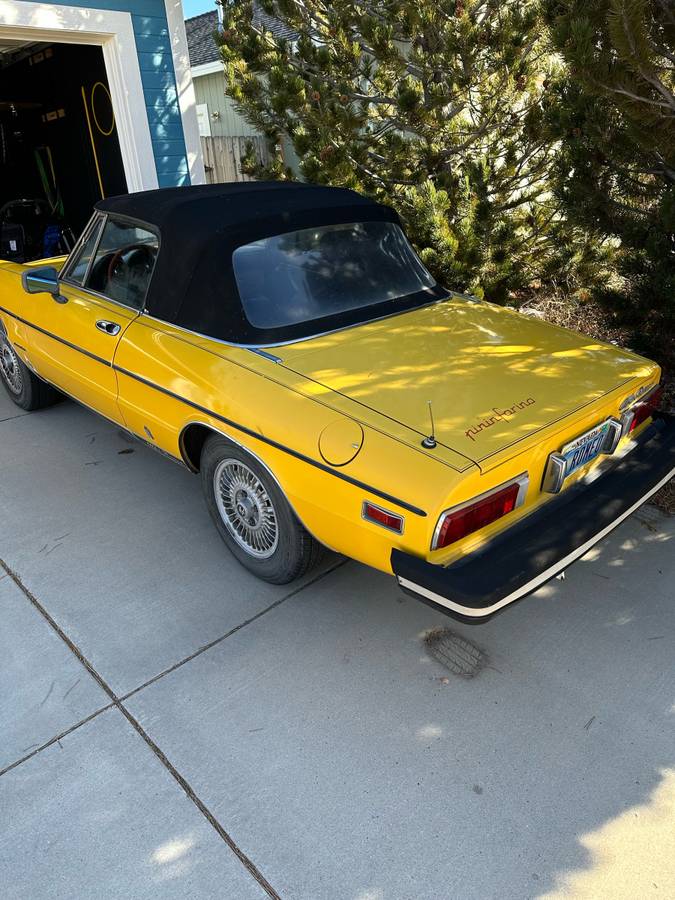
(113, 32)
(187, 102)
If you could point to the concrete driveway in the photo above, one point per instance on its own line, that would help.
(171, 727)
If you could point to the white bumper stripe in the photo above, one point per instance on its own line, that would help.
(543, 577)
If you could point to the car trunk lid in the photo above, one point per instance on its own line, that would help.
(494, 378)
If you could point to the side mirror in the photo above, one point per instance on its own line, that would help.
(42, 280)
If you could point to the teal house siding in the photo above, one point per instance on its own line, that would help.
(159, 84)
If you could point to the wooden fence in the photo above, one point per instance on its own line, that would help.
(223, 156)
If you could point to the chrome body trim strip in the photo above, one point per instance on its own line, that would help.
(258, 459)
(96, 295)
(102, 222)
(310, 337)
(93, 223)
(265, 355)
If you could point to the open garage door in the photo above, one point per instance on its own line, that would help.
(59, 146)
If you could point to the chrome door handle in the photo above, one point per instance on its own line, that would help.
(106, 327)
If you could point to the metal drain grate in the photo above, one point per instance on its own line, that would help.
(458, 655)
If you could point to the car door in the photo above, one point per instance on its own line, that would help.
(101, 291)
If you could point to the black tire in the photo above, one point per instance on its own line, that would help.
(258, 508)
(26, 390)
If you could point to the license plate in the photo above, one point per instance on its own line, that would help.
(584, 448)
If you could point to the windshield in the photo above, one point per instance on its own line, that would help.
(317, 272)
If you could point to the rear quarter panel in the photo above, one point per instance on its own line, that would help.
(237, 385)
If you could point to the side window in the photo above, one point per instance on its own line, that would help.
(123, 264)
(77, 268)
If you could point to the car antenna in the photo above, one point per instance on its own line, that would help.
(430, 442)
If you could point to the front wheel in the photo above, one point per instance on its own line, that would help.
(252, 515)
(26, 390)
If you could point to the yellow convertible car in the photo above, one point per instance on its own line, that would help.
(285, 342)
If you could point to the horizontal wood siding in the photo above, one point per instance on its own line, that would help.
(223, 155)
(210, 89)
(159, 83)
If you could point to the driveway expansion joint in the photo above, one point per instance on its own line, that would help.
(116, 703)
(214, 643)
(55, 740)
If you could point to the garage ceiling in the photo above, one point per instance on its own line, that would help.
(9, 46)
(13, 50)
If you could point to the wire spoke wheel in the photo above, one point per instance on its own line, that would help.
(10, 367)
(246, 508)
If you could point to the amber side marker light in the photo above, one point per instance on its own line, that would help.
(644, 408)
(382, 517)
(463, 520)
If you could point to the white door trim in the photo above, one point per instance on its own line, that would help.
(113, 32)
(186, 92)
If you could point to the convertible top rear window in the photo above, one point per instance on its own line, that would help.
(313, 259)
(313, 273)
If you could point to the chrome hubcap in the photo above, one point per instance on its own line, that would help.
(9, 366)
(246, 508)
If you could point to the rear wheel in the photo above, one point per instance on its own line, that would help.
(26, 390)
(252, 515)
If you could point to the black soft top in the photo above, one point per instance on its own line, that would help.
(200, 227)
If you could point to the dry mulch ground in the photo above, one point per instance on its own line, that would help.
(591, 319)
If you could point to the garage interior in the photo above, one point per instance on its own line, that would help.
(59, 149)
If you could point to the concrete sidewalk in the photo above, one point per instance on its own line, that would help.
(171, 727)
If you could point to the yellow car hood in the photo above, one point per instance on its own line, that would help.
(494, 377)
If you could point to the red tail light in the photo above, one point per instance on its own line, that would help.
(382, 517)
(645, 408)
(469, 517)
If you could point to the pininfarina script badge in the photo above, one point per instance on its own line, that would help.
(498, 415)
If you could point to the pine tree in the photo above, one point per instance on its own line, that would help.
(436, 107)
(615, 116)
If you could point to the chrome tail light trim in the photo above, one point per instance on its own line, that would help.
(523, 482)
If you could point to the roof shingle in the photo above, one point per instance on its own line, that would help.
(202, 46)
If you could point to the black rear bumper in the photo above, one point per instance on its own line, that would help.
(546, 542)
